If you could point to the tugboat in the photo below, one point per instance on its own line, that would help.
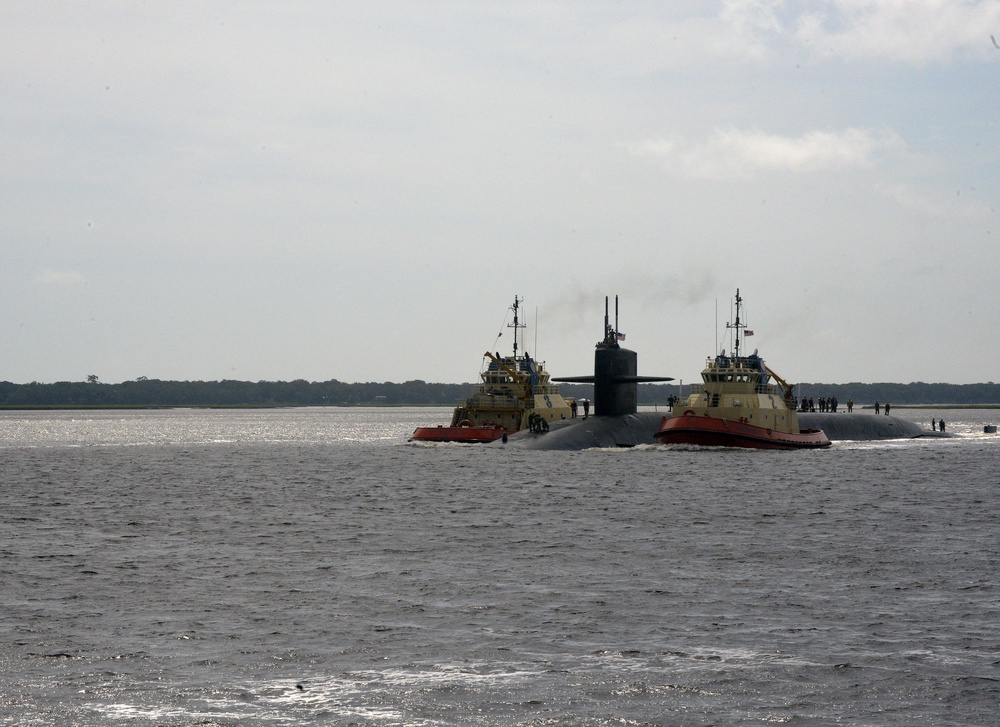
(515, 394)
(738, 406)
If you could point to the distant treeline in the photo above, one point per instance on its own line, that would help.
(156, 393)
(145, 392)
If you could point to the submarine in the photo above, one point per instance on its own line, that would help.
(616, 421)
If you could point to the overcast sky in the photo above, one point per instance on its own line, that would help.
(357, 191)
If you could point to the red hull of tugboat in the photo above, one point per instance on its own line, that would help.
(468, 435)
(709, 431)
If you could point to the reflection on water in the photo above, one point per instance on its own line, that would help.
(67, 428)
(327, 425)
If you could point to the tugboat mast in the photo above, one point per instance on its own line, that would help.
(515, 325)
(737, 325)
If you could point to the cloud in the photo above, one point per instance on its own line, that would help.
(752, 25)
(906, 31)
(943, 206)
(910, 31)
(59, 278)
(908, 198)
(740, 154)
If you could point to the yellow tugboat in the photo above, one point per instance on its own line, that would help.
(516, 393)
(739, 407)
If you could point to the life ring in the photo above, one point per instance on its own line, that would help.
(689, 413)
(465, 423)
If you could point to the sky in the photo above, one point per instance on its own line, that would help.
(357, 191)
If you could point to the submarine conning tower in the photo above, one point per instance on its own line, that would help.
(615, 379)
(613, 393)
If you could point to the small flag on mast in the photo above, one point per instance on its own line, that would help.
(747, 333)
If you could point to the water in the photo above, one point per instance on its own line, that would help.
(310, 566)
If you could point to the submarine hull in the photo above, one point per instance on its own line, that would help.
(631, 430)
(862, 427)
(623, 430)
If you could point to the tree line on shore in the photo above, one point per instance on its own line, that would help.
(144, 392)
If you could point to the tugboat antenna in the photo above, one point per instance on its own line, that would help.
(536, 332)
(515, 325)
(736, 326)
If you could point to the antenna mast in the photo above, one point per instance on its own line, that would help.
(607, 326)
(536, 332)
(610, 334)
(737, 326)
(516, 325)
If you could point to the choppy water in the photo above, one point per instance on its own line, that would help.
(198, 567)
